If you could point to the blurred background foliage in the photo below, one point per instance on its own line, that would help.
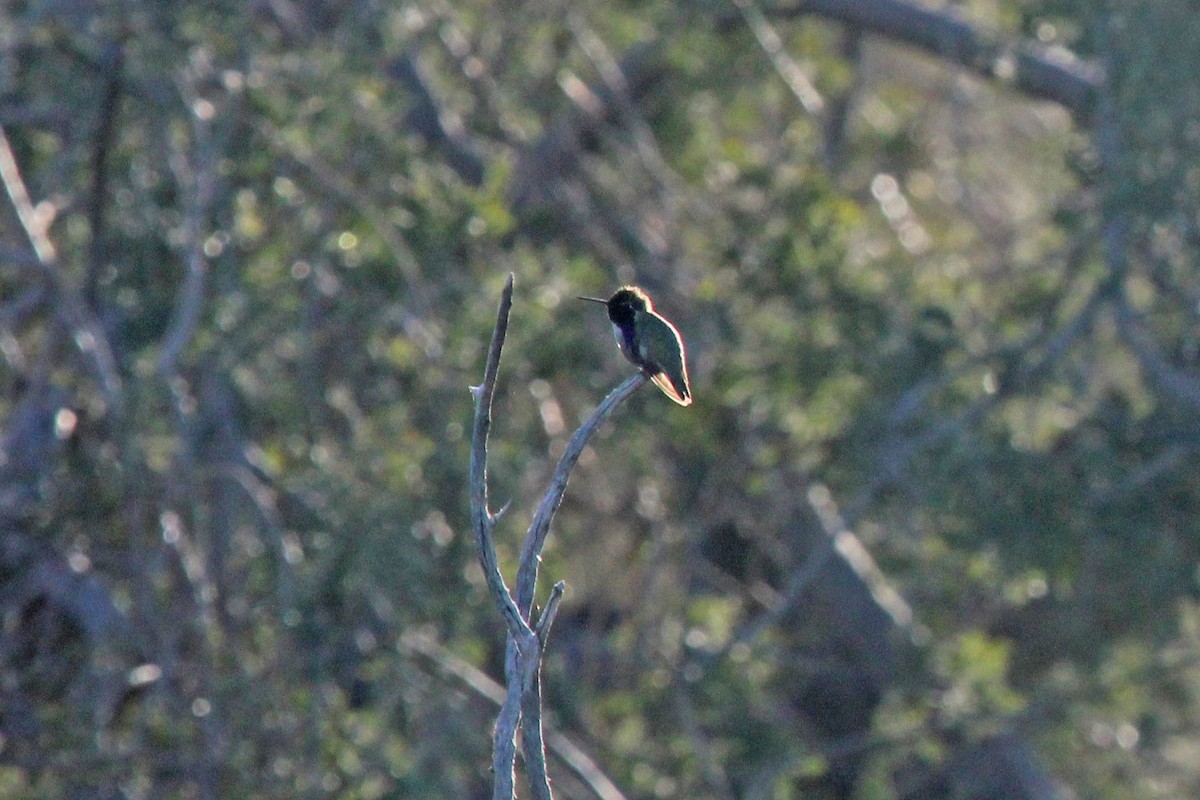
(928, 531)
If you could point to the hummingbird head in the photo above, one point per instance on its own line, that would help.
(624, 304)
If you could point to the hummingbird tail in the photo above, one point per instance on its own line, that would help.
(680, 395)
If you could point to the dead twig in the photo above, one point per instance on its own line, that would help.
(73, 314)
(571, 754)
(522, 639)
(526, 638)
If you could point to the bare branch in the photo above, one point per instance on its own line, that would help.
(523, 654)
(837, 118)
(1179, 384)
(546, 620)
(575, 759)
(186, 315)
(533, 746)
(102, 142)
(504, 737)
(535, 539)
(556, 152)
(438, 127)
(532, 737)
(483, 519)
(35, 223)
(85, 331)
(523, 647)
(801, 87)
(1043, 72)
(540, 526)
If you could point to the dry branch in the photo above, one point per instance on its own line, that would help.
(1035, 70)
(526, 638)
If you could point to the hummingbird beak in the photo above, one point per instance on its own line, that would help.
(594, 300)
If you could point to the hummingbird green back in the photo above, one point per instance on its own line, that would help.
(650, 341)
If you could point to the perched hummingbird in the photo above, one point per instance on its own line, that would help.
(649, 341)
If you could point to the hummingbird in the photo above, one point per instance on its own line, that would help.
(649, 340)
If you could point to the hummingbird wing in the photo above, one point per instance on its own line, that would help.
(662, 352)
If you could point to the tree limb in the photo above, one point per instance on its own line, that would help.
(523, 653)
(523, 643)
(1046, 73)
(428, 118)
(772, 44)
(540, 526)
(102, 145)
(190, 302)
(73, 314)
(483, 519)
(574, 757)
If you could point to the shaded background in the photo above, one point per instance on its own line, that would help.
(929, 530)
